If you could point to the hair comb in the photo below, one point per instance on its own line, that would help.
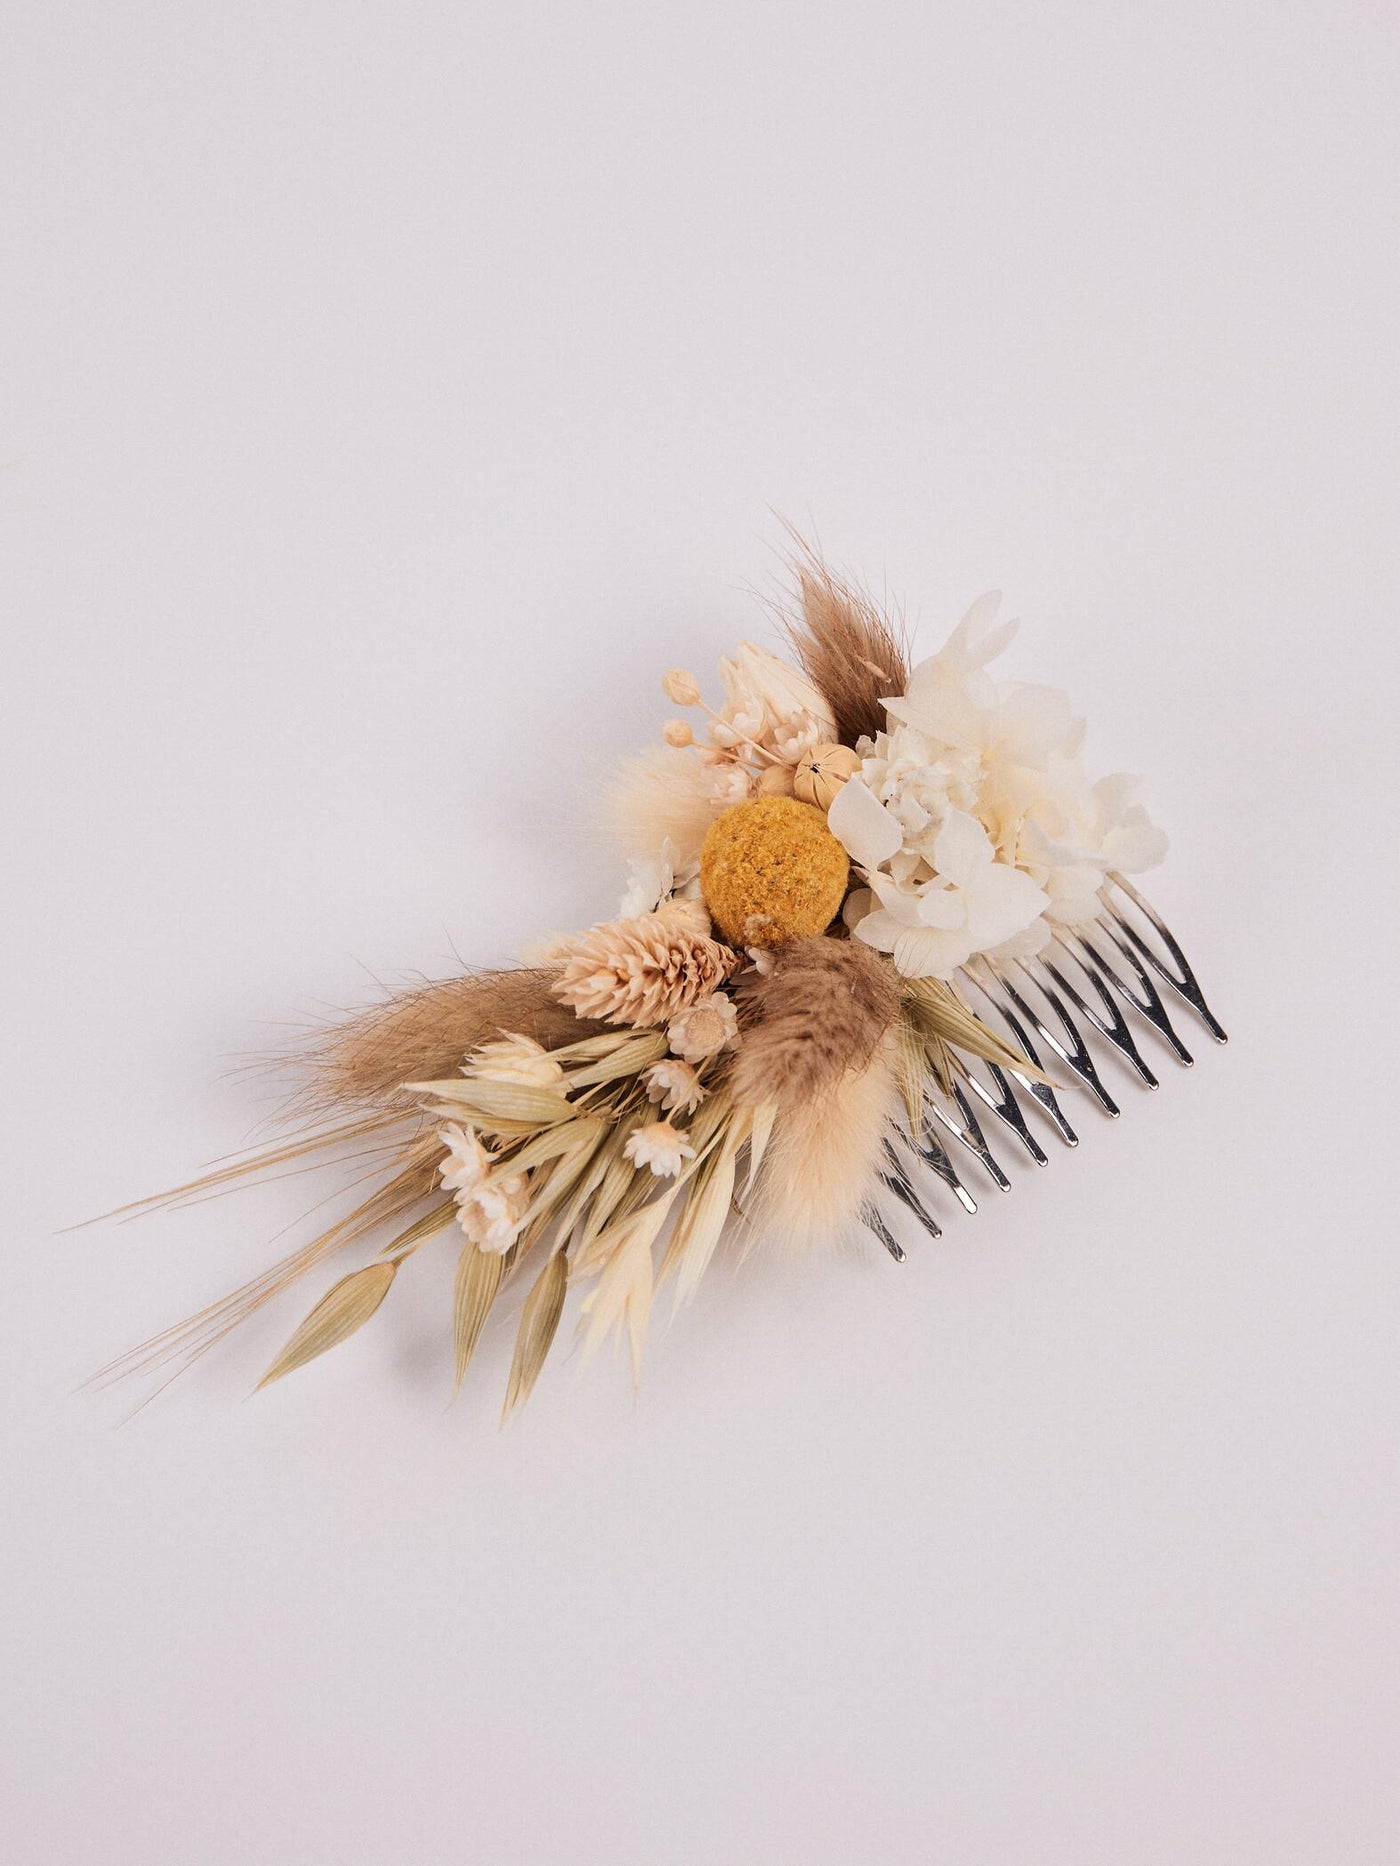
(877, 915)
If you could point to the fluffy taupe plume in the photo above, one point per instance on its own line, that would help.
(849, 651)
(426, 1033)
(643, 971)
(823, 1161)
(823, 1010)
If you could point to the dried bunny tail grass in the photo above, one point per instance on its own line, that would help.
(823, 1160)
(426, 1033)
(849, 650)
(663, 793)
(823, 1009)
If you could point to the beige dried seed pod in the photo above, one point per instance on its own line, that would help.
(822, 772)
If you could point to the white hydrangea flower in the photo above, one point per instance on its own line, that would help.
(675, 1085)
(489, 1210)
(660, 1146)
(934, 916)
(964, 755)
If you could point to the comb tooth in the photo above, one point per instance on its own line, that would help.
(1077, 1057)
(1183, 981)
(935, 1157)
(898, 1182)
(1110, 1022)
(1146, 999)
(1008, 1109)
(872, 1221)
(970, 1133)
(1040, 1092)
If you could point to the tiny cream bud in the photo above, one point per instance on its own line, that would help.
(676, 732)
(681, 687)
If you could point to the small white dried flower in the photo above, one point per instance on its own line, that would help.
(467, 1160)
(653, 880)
(677, 732)
(661, 1147)
(706, 1028)
(681, 687)
(488, 1210)
(491, 1216)
(729, 782)
(675, 1085)
(515, 1059)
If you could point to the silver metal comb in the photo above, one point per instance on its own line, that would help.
(1099, 984)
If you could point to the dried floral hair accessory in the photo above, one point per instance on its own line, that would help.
(873, 910)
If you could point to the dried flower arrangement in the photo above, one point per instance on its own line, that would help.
(868, 903)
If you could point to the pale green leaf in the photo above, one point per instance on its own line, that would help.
(539, 1321)
(486, 1102)
(479, 1274)
(639, 1052)
(346, 1306)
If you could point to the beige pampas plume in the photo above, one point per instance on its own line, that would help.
(644, 971)
(822, 1009)
(849, 651)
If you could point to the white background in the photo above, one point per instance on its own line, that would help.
(390, 393)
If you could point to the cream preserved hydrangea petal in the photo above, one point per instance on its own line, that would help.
(929, 953)
(942, 907)
(859, 903)
(942, 709)
(1033, 723)
(1026, 944)
(1001, 902)
(977, 639)
(863, 826)
(961, 848)
(1129, 840)
(1117, 793)
(1073, 891)
(904, 904)
(1136, 845)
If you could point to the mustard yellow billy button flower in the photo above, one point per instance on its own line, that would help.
(772, 871)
